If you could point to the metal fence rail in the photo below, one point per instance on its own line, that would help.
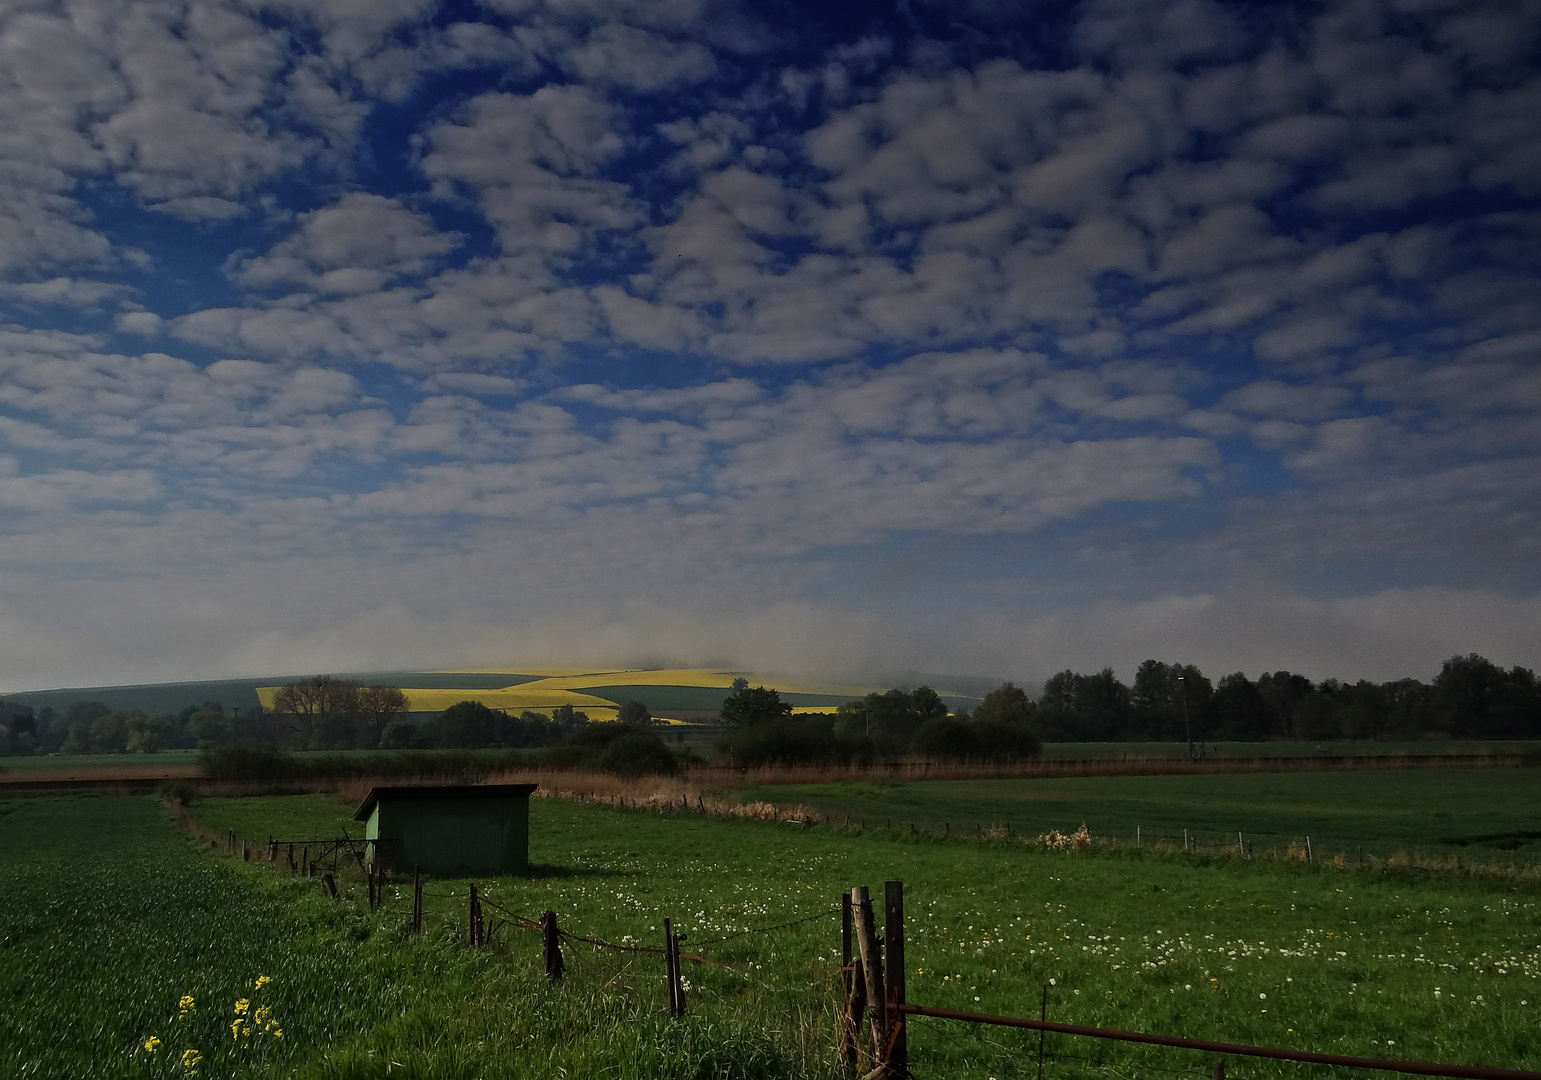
(1418, 1068)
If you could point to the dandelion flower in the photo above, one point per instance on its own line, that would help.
(151, 1045)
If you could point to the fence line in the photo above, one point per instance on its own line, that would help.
(866, 990)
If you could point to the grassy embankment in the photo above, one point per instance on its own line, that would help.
(1386, 963)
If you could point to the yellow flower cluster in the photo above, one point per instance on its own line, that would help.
(151, 1045)
(186, 1007)
(190, 1059)
(249, 1021)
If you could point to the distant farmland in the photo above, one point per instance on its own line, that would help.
(666, 692)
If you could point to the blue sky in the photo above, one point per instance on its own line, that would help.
(990, 338)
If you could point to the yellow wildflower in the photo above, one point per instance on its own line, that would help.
(262, 980)
(241, 1007)
(186, 1007)
(260, 1017)
(237, 1028)
(151, 1045)
(190, 1059)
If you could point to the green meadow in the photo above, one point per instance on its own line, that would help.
(114, 915)
(1489, 814)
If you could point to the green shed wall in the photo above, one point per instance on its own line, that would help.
(452, 837)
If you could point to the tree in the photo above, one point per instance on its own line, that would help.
(467, 723)
(1474, 698)
(634, 712)
(1006, 704)
(565, 716)
(1169, 701)
(1238, 710)
(377, 707)
(208, 725)
(307, 701)
(753, 705)
(147, 734)
(1282, 691)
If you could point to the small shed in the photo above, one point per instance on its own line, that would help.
(449, 831)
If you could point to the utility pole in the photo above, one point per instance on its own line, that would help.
(1182, 688)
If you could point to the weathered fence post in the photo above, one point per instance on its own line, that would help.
(855, 998)
(1241, 845)
(551, 943)
(417, 900)
(671, 956)
(230, 840)
(474, 918)
(872, 969)
(329, 885)
(1217, 1070)
(1185, 839)
(896, 1055)
(245, 855)
(291, 858)
(1308, 850)
(272, 850)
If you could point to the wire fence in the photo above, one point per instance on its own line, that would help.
(874, 1013)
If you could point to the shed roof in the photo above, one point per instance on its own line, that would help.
(454, 791)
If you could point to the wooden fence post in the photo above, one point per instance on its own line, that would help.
(329, 885)
(474, 918)
(855, 997)
(872, 969)
(671, 955)
(896, 1056)
(551, 942)
(417, 900)
(1308, 850)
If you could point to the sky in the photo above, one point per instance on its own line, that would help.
(846, 340)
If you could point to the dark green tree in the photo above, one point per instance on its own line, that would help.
(635, 713)
(466, 723)
(1006, 704)
(753, 705)
(1237, 710)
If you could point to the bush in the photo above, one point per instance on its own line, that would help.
(248, 761)
(946, 739)
(802, 740)
(638, 753)
(949, 738)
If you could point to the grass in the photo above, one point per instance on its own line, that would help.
(1418, 748)
(20, 768)
(112, 916)
(1491, 812)
(1382, 964)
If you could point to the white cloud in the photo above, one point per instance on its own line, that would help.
(625, 56)
(356, 245)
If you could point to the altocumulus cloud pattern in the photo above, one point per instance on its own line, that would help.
(981, 337)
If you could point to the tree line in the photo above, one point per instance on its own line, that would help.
(1470, 698)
